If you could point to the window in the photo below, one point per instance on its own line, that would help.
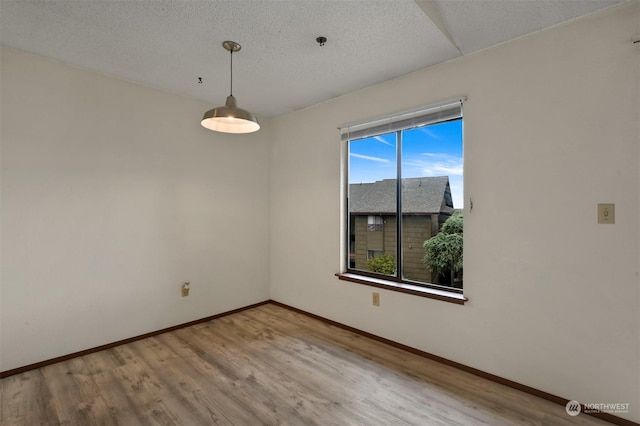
(374, 223)
(374, 253)
(405, 198)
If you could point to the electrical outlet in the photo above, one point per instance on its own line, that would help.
(185, 289)
(376, 299)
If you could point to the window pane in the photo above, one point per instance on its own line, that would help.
(372, 204)
(431, 193)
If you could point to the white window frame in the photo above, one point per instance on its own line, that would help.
(433, 114)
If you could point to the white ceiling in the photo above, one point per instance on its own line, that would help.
(168, 44)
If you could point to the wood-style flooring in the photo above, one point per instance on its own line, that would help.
(267, 365)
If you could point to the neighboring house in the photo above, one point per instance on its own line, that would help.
(426, 205)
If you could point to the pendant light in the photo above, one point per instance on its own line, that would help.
(229, 118)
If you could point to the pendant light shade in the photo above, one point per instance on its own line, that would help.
(229, 118)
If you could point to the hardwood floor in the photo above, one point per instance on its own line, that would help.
(265, 366)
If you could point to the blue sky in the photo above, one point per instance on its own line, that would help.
(434, 150)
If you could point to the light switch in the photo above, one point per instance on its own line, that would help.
(607, 213)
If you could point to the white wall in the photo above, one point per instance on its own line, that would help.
(112, 195)
(551, 130)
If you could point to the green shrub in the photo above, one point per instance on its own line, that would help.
(443, 252)
(385, 264)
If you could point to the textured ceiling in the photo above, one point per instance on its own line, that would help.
(170, 44)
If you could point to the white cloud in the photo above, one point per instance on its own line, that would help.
(436, 164)
(381, 140)
(367, 157)
(457, 191)
(441, 169)
(430, 133)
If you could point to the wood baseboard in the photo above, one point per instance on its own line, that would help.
(515, 385)
(510, 383)
(40, 364)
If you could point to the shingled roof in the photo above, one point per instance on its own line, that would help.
(424, 195)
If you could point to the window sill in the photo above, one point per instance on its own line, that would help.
(431, 293)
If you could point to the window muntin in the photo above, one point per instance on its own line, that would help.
(427, 161)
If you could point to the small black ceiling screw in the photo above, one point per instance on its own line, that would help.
(321, 40)
(200, 80)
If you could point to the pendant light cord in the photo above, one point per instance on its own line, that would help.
(231, 88)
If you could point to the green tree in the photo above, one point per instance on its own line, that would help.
(443, 252)
(384, 264)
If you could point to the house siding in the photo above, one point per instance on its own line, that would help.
(416, 230)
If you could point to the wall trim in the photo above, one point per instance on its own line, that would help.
(501, 380)
(510, 383)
